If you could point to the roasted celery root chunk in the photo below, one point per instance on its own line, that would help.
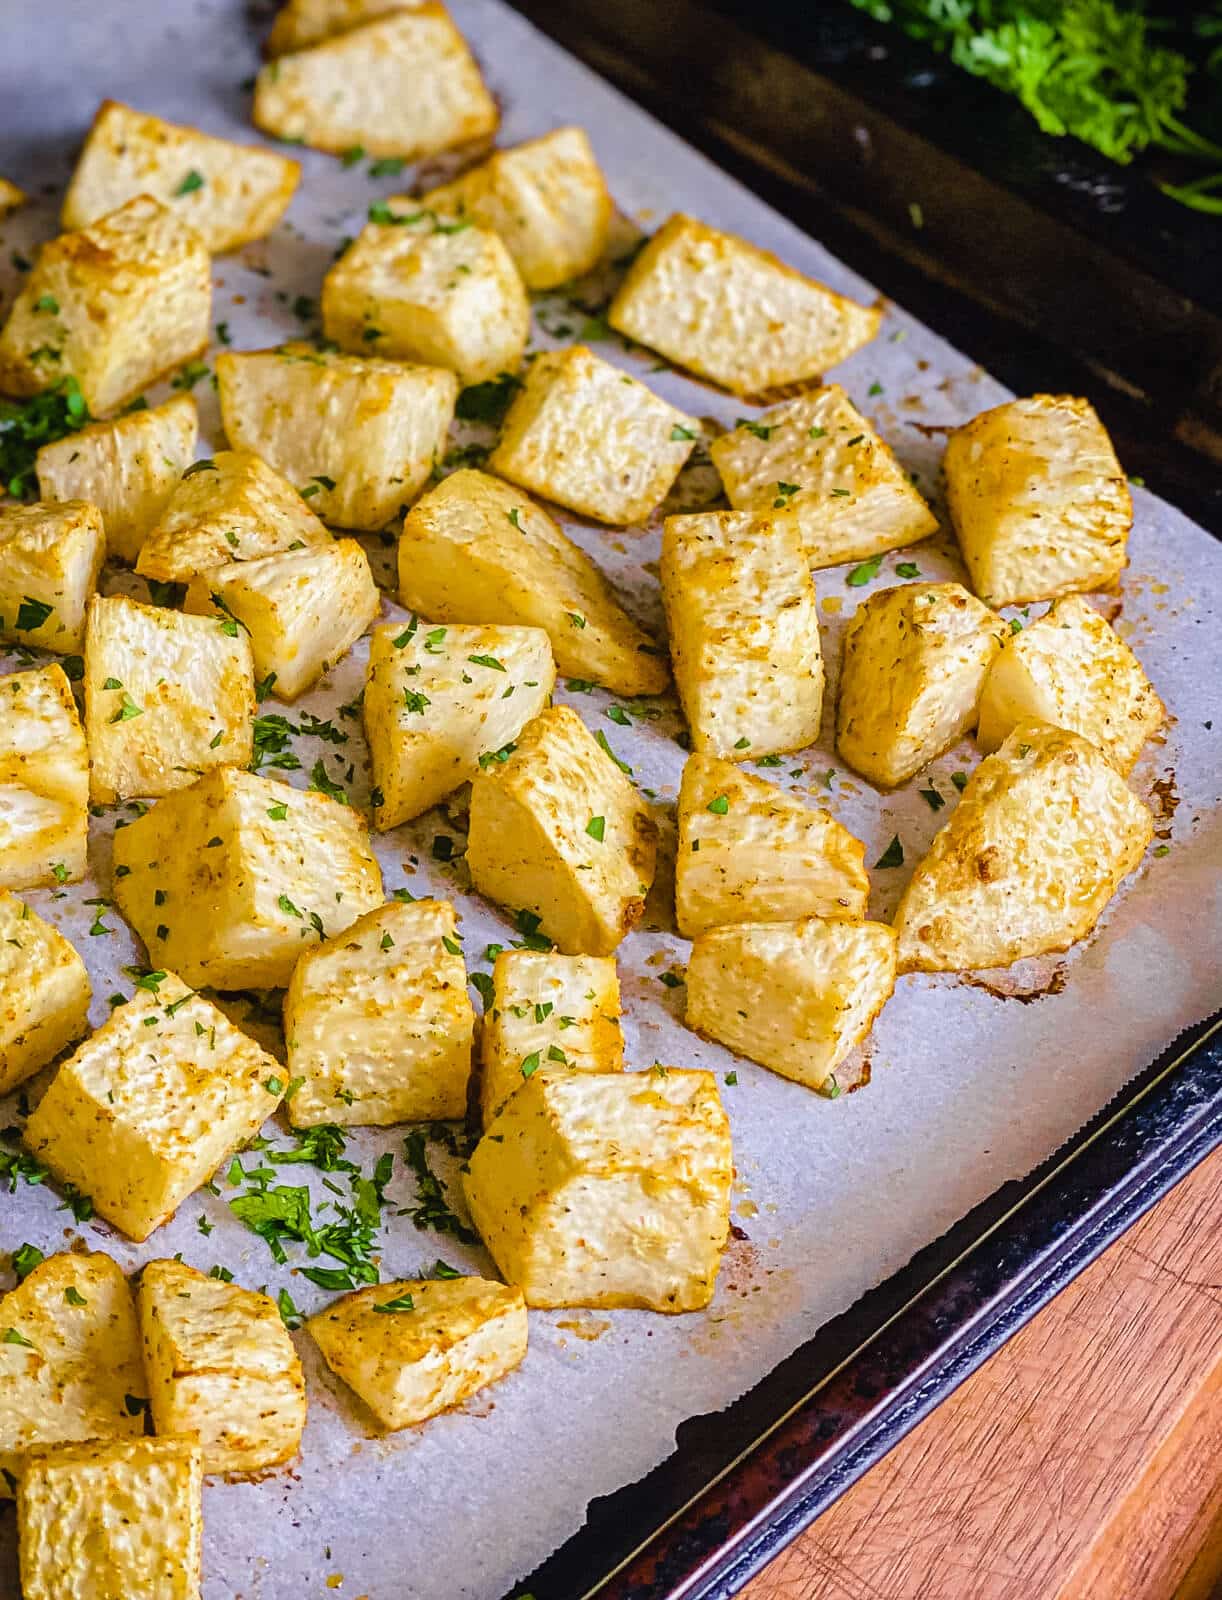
(10, 197)
(50, 557)
(302, 23)
(44, 781)
(749, 852)
(607, 1189)
(44, 992)
(795, 996)
(1045, 833)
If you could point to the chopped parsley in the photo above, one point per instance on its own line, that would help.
(893, 855)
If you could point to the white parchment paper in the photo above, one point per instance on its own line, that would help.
(969, 1088)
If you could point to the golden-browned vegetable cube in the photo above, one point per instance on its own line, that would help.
(117, 304)
(378, 1021)
(74, 1360)
(416, 1347)
(230, 193)
(1040, 842)
(44, 781)
(50, 557)
(102, 1520)
(127, 468)
(744, 633)
(167, 696)
(914, 664)
(607, 1188)
(302, 611)
(475, 549)
(227, 507)
(44, 992)
(447, 296)
(818, 460)
(10, 197)
(725, 309)
(228, 881)
(301, 23)
(1071, 670)
(402, 85)
(147, 1108)
(559, 831)
(440, 703)
(221, 1365)
(547, 1010)
(363, 433)
(794, 996)
(586, 435)
(749, 852)
(546, 198)
(1038, 500)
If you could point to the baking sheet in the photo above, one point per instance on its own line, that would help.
(969, 1086)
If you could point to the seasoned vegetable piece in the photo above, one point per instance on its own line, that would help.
(131, 295)
(1038, 500)
(302, 611)
(228, 507)
(75, 1360)
(744, 633)
(103, 1520)
(607, 1189)
(476, 550)
(558, 832)
(1040, 842)
(167, 697)
(378, 1022)
(1072, 671)
(720, 307)
(413, 1348)
(220, 1365)
(229, 880)
(794, 996)
(230, 193)
(819, 461)
(443, 702)
(44, 781)
(420, 290)
(128, 469)
(50, 557)
(10, 197)
(44, 992)
(364, 434)
(301, 23)
(547, 1010)
(403, 85)
(546, 198)
(586, 435)
(749, 852)
(914, 663)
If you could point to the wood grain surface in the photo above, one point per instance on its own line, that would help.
(1082, 1462)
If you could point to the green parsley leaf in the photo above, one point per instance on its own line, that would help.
(893, 855)
(718, 805)
(865, 572)
(596, 828)
(194, 180)
(403, 1302)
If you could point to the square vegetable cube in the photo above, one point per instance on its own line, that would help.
(121, 1518)
(117, 304)
(442, 702)
(818, 460)
(127, 468)
(44, 992)
(795, 996)
(558, 831)
(744, 633)
(607, 1188)
(416, 1347)
(417, 289)
(378, 1021)
(228, 881)
(547, 1010)
(221, 1366)
(720, 307)
(1038, 500)
(586, 435)
(44, 781)
(50, 557)
(167, 697)
(301, 23)
(302, 611)
(364, 433)
(402, 85)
